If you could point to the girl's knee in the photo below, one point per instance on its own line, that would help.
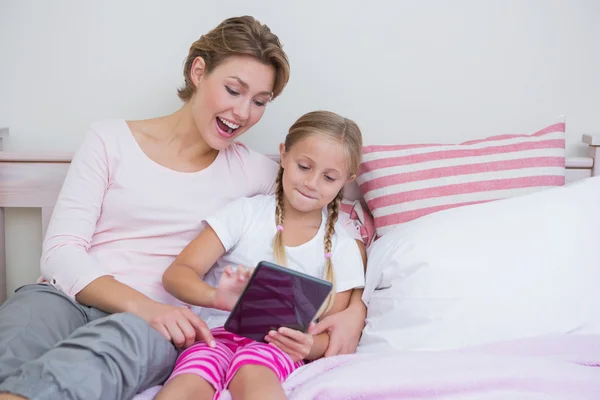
(186, 386)
(254, 381)
(247, 373)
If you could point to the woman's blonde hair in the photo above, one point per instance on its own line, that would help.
(241, 36)
(328, 124)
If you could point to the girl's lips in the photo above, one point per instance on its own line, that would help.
(307, 196)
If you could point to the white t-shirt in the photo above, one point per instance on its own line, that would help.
(246, 228)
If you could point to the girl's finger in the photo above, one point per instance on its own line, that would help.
(293, 334)
(290, 352)
(286, 341)
(241, 273)
(229, 270)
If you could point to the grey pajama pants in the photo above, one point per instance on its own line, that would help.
(52, 347)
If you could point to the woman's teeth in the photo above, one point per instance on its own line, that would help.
(230, 125)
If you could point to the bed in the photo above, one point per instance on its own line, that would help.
(419, 351)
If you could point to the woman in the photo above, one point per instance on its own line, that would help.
(100, 325)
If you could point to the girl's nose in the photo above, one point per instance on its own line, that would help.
(312, 181)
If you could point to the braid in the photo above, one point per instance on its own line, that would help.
(278, 245)
(333, 209)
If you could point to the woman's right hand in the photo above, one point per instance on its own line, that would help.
(178, 324)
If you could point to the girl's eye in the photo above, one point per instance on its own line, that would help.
(302, 167)
(330, 179)
(231, 91)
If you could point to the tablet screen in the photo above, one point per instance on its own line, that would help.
(274, 297)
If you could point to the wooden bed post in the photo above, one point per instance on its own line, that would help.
(593, 151)
(3, 289)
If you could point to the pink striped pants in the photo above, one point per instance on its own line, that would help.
(218, 365)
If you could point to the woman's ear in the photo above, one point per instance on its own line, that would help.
(197, 71)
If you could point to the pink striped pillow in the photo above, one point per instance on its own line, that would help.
(404, 182)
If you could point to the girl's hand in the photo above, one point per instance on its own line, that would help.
(295, 343)
(231, 285)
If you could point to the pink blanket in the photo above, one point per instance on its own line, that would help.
(565, 367)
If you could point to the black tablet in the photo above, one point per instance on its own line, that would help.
(276, 296)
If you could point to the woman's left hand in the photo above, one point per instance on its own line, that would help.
(295, 343)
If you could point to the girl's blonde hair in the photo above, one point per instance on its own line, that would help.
(241, 36)
(328, 124)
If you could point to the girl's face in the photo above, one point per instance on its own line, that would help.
(230, 99)
(314, 171)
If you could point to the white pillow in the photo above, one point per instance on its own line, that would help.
(503, 270)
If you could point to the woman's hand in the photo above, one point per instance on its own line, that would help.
(344, 328)
(230, 286)
(178, 324)
(295, 343)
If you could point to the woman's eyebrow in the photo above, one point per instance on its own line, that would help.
(245, 85)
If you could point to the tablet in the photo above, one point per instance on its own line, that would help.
(276, 297)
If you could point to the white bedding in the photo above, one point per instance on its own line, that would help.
(504, 270)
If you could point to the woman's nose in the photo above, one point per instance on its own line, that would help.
(242, 111)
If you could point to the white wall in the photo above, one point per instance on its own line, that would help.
(406, 71)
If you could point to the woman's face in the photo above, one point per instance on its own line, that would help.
(230, 99)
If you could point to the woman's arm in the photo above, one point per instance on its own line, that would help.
(321, 340)
(66, 264)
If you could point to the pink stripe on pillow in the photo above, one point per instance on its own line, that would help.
(465, 152)
(402, 217)
(442, 172)
(464, 188)
(558, 127)
(404, 182)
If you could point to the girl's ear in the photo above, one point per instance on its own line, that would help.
(353, 177)
(282, 154)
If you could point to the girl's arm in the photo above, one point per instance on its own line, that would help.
(222, 231)
(183, 278)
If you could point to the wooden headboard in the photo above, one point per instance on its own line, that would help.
(30, 179)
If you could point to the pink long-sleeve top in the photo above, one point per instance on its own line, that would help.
(121, 214)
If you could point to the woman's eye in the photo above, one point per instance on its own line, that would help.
(259, 103)
(231, 91)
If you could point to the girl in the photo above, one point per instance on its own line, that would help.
(297, 227)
